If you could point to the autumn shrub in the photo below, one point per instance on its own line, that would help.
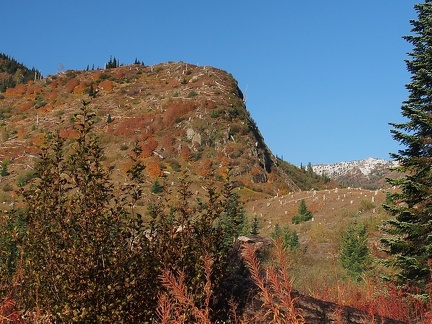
(276, 303)
(82, 253)
(71, 84)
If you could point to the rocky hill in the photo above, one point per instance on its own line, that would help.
(369, 173)
(186, 118)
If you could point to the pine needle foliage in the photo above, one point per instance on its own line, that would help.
(407, 237)
(355, 256)
(303, 214)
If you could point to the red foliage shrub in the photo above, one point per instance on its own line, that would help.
(21, 133)
(27, 105)
(54, 85)
(148, 147)
(130, 126)
(167, 142)
(19, 90)
(204, 168)
(185, 152)
(80, 88)
(176, 109)
(67, 133)
(31, 90)
(106, 85)
(53, 95)
(71, 84)
(153, 169)
(37, 140)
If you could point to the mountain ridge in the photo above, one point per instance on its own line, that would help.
(369, 172)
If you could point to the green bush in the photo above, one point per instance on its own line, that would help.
(290, 239)
(355, 256)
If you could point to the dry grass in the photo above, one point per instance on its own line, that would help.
(177, 305)
(274, 288)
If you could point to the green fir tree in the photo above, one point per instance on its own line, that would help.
(407, 236)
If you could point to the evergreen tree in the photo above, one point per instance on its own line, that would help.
(303, 214)
(255, 226)
(408, 235)
(289, 237)
(355, 256)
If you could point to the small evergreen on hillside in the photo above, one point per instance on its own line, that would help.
(303, 214)
(355, 256)
(289, 237)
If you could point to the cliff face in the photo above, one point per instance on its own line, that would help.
(185, 117)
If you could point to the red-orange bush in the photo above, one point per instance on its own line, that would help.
(185, 152)
(27, 105)
(106, 85)
(153, 169)
(71, 84)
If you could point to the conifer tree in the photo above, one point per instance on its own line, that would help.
(355, 256)
(303, 214)
(407, 237)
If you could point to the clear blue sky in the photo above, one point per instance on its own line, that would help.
(322, 79)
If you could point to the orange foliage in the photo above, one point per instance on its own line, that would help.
(96, 75)
(205, 168)
(153, 169)
(119, 73)
(21, 133)
(148, 147)
(31, 90)
(19, 90)
(67, 133)
(52, 96)
(255, 171)
(45, 109)
(130, 126)
(80, 88)
(167, 143)
(106, 85)
(27, 105)
(53, 85)
(37, 140)
(71, 84)
(176, 109)
(185, 152)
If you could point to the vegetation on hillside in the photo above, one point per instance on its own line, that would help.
(78, 251)
(12, 73)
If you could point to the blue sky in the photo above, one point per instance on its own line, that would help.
(322, 79)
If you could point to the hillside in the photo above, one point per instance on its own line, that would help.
(190, 120)
(186, 118)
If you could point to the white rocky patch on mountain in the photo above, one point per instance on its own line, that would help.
(365, 167)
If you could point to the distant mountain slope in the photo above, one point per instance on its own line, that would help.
(369, 173)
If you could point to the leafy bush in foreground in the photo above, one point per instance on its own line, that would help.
(88, 256)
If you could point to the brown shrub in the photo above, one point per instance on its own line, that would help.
(71, 84)
(106, 85)
(67, 133)
(27, 105)
(153, 169)
(175, 110)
